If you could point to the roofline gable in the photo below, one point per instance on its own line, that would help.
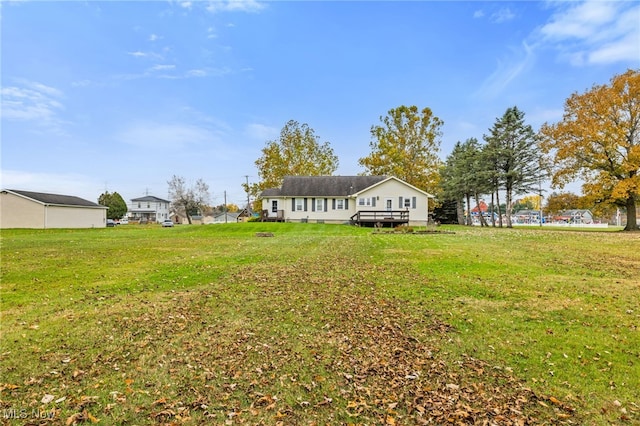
(32, 197)
(150, 198)
(397, 180)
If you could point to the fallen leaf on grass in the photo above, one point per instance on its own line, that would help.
(554, 400)
(81, 417)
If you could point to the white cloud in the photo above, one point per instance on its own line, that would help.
(196, 73)
(33, 102)
(507, 71)
(154, 37)
(250, 6)
(503, 15)
(261, 132)
(208, 72)
(626, 49)
(186, 4)
(579, 20)
(140, 54)
(594, 32)
(81, 83)
(158, 135)
(478, 14)
(160, 67)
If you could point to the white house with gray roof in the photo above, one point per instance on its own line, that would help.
(28, 209)
(148, 209)
(363, 200)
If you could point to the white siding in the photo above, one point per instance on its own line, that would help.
(390, 189)
(394, 189)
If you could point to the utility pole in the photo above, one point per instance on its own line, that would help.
(540, 200)
(225, 207)
(248, 205)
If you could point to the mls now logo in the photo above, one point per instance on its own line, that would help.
(23, 413)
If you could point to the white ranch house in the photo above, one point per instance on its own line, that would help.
(361, 200)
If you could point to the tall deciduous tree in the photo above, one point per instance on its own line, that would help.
(514, 148)
(598, 140)
(188, 200)
(297, 152)
(406, 145)
(117, 206)
(557, 202)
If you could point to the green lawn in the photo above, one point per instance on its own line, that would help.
(320, 324)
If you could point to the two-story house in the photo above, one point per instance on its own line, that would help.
(148, 209)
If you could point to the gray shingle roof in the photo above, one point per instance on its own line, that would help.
(323, 186)
(56, 199)
(150, 198)
(270, 192)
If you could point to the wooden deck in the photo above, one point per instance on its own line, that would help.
(391, 218)
(279, 217)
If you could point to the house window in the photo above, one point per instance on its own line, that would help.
(407, 203)
(274, 206)
(138, 205)
(148, 205)
(364, 202)
(340, 204)
(319, 204)
(299, 204)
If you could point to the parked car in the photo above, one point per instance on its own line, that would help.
(167, 223)
(124, 221)
(111, 223)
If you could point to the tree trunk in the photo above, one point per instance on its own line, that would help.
(493, 214)
(460, 211)
(632, 224)
(482, 221)
(509, 207)
(469, 221)
(188, 218)
(499, 210)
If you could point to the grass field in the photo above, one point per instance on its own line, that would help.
(320, 324)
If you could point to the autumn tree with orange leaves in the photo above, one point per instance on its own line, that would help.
(598, 140)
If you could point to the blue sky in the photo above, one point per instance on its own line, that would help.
(123, 95)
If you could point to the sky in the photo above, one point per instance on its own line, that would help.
(121, 96)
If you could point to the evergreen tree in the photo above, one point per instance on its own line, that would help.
(515, 150)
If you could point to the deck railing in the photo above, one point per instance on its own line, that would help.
(378, 216)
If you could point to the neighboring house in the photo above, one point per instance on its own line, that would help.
(26, 209)
(149, 209)
(225, 218)
(362, 200)
(526, 217)
(576, 216)
(244, 215)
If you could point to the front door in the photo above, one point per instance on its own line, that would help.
(274, 207)
(389, 204)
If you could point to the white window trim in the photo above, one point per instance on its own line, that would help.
(364, 202)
